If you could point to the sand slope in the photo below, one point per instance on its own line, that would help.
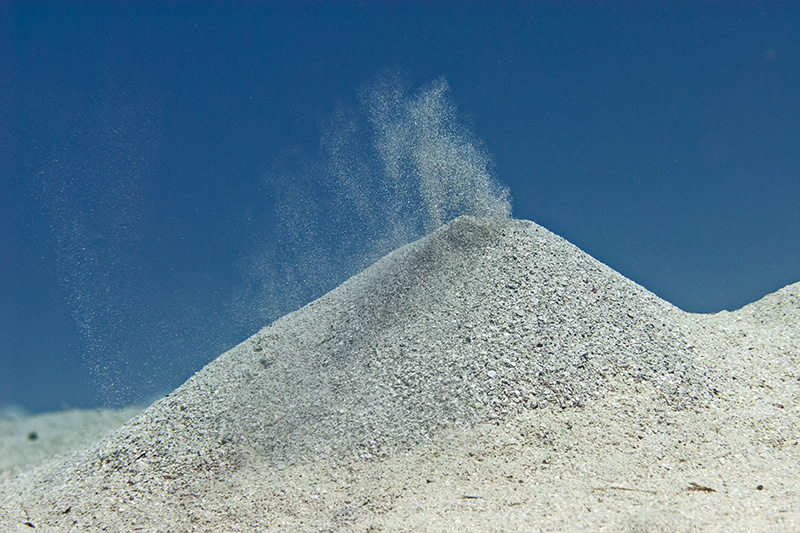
(490, 376)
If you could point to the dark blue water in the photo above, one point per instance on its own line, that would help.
(175, 176)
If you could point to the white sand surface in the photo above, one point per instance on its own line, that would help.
(490, 377)
(28, 441)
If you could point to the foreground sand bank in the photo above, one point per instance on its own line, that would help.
(489, 377)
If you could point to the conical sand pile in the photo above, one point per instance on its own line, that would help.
(475, 323)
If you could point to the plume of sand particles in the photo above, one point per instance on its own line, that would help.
(389, 170)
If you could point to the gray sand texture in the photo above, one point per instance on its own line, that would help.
(488, 377)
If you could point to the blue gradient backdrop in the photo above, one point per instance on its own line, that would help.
(136, 138)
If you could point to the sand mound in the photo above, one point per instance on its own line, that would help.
(476, 323)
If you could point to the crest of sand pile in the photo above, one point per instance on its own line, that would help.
(476, 322)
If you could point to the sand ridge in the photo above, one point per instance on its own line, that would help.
(487, 343)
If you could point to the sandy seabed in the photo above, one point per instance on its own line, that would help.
(490, 377)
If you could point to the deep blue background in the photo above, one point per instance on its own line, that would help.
(135, 140)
